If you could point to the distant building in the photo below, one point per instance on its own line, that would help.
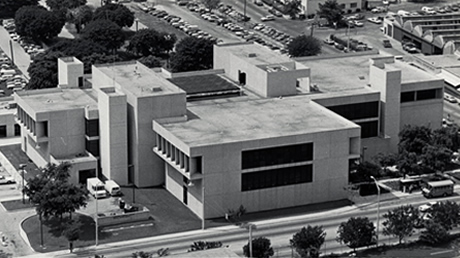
(259, 130)
(432, 34)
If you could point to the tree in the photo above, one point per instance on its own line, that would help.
(97, 58)
(308, 241)
(261, 248)
(142, 254)
(202, 245)
(435, 158)
(150, 61)
(356, 232)
(332, 11)
(304, 46)
(77, 47)
(37, 23)
(116, 13)
(192, 54)
(52, 194)
(414, 139)
(293, 8)
(447, 137)
(364, 171)
(71, 232)
(151, 42)
(80, 16)
(211, 4)
(43, 71)
(64, 4)
(434, 233)
(9, 7)
(105, 33)
(400, 222)
(445, 214)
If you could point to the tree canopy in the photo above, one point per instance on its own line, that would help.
(105, 33)
(445, 214)
(80, 16)
(304, 46)
(37, 23)
(434, 233)
(64, 4)
(43, 71)
(211, 4)
(192, 54)
(150, 61)
(9, 7)
(400, 222)
(422, 150)
(308, 241)
(293, 8)
(116, 13)
(52, 194)
(356, 232)
(332, 11)
(151, 42)
(261, 248)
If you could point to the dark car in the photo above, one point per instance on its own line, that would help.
(387, 43)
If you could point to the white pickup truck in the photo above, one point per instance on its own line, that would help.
(6, 180)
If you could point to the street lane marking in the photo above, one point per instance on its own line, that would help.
(441, 252)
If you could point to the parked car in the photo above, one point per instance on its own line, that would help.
(268, 18)
(378, 10)
(410, 47)
(6, 180)
(358, 23)
(375, 20)
(387, 43)
(328, 41)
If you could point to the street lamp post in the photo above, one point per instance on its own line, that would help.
(378, 208)
(250, 226)
(97, 215)
(137, 24)
(21, 167)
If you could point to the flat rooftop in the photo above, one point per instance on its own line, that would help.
(58, 99)
(225, 121)
(208, 83)
(138, 79)
(351, 73)
(440, 61)
(255, 54)
(337, 74)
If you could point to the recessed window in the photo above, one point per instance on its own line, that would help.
(276, 177)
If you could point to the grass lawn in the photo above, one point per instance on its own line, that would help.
(17, 205)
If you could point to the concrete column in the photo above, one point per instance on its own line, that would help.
(158, 142)
(168, 149)
(163, 145)
(187, 163)
(173, 153)
(177, 156)
(181, 163)
(192, 165)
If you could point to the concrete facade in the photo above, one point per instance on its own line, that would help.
(311, 117)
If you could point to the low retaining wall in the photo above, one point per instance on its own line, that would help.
(116, 218)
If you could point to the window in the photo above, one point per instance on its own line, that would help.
(369, 129)
(93, 147)
(426, 94)
(353, 5)
(277, 155)
(17, 130)
(92, 127)
(407, 96)
(276, 177)
(2, 131)
(357, 110)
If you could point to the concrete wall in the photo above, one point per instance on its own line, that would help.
(222, 175)
(70, 70)
(8, 120)
(113, 134)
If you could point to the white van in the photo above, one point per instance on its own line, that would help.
(112, 188)
(8, 71)
(96, 187)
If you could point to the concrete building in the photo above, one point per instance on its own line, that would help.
(259, 130)
(310, 7)
(432, 34)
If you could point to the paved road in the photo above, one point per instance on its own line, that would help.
(279, 231)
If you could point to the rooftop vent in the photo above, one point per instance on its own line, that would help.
(362, 77)
(252, 55)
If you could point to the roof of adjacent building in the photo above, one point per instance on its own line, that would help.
(341, 74)
(58, 99)
(207, 83)
(138, 79)
(255, 54)
(242, 119)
